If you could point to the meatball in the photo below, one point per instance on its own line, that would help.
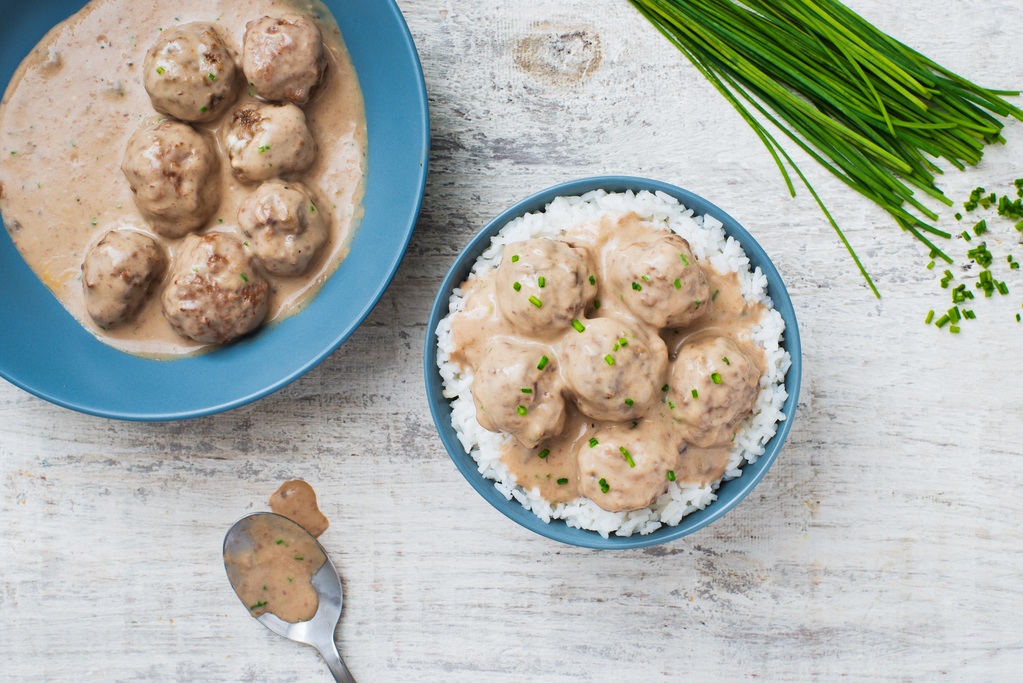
(283, 57)
(543, 285)
(512, 394)
(215, 293)
(265, 141)
(284, 227)
(118, 273)
(621, 468)
(613, 373)
(190, 74)
(660, 281)
(173, 173)
(714, 384)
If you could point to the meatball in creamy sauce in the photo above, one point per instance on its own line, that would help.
(118, 273)
(106, 126)
(639, 374)
(190, 73)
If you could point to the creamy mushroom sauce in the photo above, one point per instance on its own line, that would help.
(296, 500)
(655, 436)
(275, 573)
(66, 118)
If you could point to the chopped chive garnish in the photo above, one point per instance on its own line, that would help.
(245, 279)
(593, 280)
(609, 360)
(942, 321)
(202, 109)
(264, 587)
(671, 475)
(685, 261)
(279, 541)
(261, 603)
(542, 364)
(959, 216)
(579, 327)
(299, 558)
(593, 441)
(515, 258)
(954, 329)
(638, 287)
(521, 410)
(715, 294)
(929, 318)
(930, 265)
(980, 228)
(312, 209)
(526, 390)
(544, 453)
(696, 394)
(516, 286)
(213, 77)
(725, 359)
(616, 347)
(678, 284)
(629, 402)
(623, 341)
(542, 281)
(604, 487)
(671, 404)
(966, 236)
(536, 302)
(646, 279)
(562, 482)
(715, 377)
(628, 458)
(969, 315)
(664, 388)
(596, 304)
(263, 148)
(697, 303)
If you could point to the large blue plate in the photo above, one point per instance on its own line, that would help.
(730, 492)
(46, 352)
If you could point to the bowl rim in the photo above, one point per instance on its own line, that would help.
(557, 530)
(419, 108)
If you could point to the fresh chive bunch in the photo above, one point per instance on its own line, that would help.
(868, 108)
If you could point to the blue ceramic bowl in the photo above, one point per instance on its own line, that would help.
(730, 492)
(46, 352)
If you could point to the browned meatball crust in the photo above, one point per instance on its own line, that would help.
(190, 73)
(173, 173)
(215, 293)
(118, 274)
(265, 141)
(284, 227)
(283, 57)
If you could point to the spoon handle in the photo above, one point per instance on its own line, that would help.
(334, 662)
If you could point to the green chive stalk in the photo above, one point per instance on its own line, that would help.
(868, 108)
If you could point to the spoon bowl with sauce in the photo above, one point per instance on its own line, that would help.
(284, 577)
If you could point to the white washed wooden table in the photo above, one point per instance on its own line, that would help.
(884, 544)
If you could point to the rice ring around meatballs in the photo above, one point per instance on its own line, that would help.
(174, 177)
(283, 57)
(215, 293)
(190, 73)
(284, 227)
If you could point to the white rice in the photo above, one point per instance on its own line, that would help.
(706, 237)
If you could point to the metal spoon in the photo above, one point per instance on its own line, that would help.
(318, 631)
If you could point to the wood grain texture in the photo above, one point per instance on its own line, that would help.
(884, 545)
